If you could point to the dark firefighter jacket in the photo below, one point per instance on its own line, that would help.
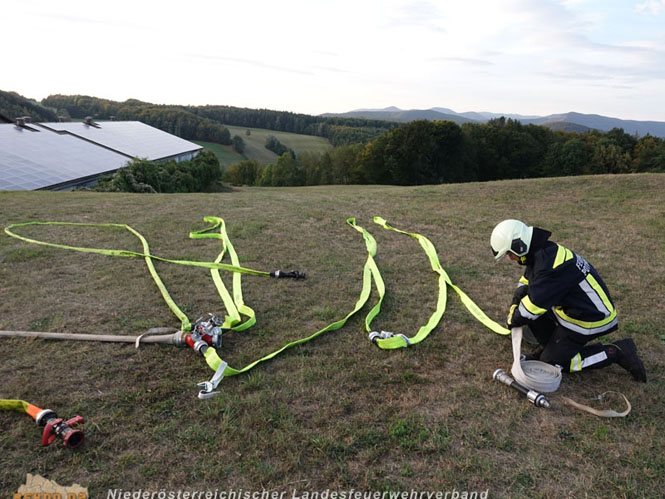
(562, 281)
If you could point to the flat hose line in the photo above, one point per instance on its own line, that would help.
(20, 406)
(235, 305)
(533, 374)
(214, 267)
(371, 274)
(393, 341)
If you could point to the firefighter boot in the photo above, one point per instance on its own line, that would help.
(626, 357)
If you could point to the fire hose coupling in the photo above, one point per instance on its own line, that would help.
(294, 274)
(56, 427)
(207, 331)
(374, 336)
(208, 387)
(380, 335)
(179, 339)
(537, 399)
(200, 347)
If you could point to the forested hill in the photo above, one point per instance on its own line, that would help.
(376, 152)
(339, 130)
(171, 118)
(13, 105)
(203, 123)
(570, 122)
(603, 123)
(400, 116)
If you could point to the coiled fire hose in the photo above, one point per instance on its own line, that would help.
(534, 374)
(533, 378)
(54, 426)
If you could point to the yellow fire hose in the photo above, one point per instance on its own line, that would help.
(235, 305)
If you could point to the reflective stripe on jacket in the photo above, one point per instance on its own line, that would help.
(564, 282)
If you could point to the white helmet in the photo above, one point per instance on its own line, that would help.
(513, 236)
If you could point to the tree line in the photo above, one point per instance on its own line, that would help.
(273, 144)
(200, 122)
(370, 151)
(339, 131)
(434, 152)
(172, 119)
(13, 105)
(141, 175)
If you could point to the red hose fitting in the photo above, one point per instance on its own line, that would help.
(190, 341)
(55, 427)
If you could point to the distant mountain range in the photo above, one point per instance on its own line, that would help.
(570, 122)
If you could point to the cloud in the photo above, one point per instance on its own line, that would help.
(97, 22)
(654, 7)
(558, 40)
(418, 15)
(619, 73)
(251, 62)
(326, 53)
(464, 60)
(335, 70)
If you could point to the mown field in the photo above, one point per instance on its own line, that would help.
(336, 412)
(256, 141)
(225, 154)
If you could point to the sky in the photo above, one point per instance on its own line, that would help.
(531, 57)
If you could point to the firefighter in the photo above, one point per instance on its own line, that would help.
(563, 301)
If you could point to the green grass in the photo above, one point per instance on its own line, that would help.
(225, 154)
(255, 145)
(335, 412)
(256, 141)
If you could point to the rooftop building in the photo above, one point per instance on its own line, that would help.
(61, 156)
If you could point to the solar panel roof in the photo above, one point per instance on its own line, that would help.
(35, 160)
(129, 137)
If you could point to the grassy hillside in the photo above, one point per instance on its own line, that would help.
(255, 145)
(336, 412)
(225, 154)
(255, 142)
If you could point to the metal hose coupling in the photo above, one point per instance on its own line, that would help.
(208, 387)
(200, 347)
(56, 427)
(294, 274)
(209, 330)
(374, 336)
(379, 335)
(537, 399)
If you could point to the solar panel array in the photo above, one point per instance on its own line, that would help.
(129, 137)
(35, 160)
(67, 153)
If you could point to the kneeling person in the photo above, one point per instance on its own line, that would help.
(564, 302)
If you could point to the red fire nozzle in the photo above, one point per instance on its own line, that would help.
(56, 427)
